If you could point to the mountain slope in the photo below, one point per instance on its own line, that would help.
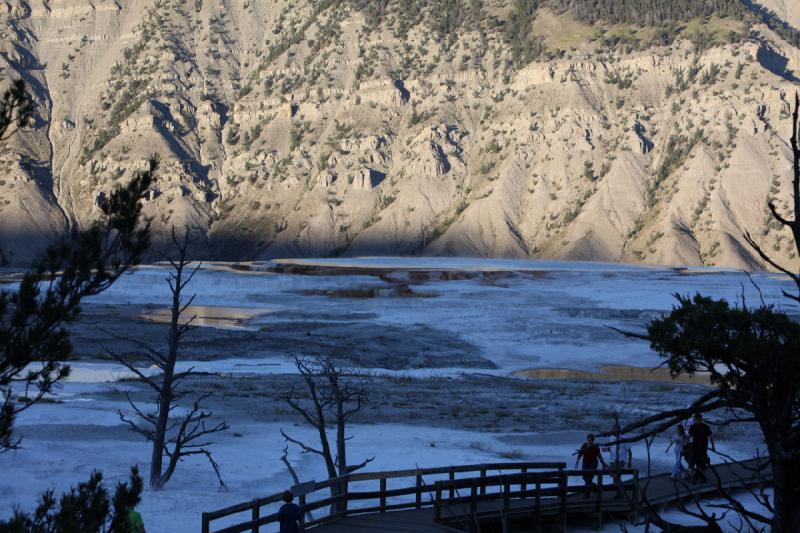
(785, 10)
(406, 126)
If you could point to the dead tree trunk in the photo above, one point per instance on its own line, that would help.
(176, 331)
(328, 396)
(785, 464)
(173, 437)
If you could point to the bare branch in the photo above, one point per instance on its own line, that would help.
(190, 277)
(645, 427)
(758, 289)
(629, 334)
(329, 396)
(144, 378)
(305, 448)
(733, 504)
(289, 467)
(777, 216)
(359, 466)
(763, 255)
(151, 353)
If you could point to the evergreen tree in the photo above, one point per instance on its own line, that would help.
(649, 12)
(84, 509)
(751, 355)
(34, 343)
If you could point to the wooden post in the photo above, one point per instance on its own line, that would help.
(506, 507)
(419, 491)
(346, 492)
(483, 482)
(564, 482)
(524, 486)
(452, 477)
(538, 506)
(635, 496)
(206, 527)
(383, 494)
(255, 515)
(599, 502)
(473, 507)
(437, 503)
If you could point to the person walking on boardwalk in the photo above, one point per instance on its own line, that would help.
(678, 443)
(289, 515)
(620, 457)
(591, 454)
(700, 435)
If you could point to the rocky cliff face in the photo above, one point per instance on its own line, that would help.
(298, 128)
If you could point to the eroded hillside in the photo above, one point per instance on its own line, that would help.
(403, 127)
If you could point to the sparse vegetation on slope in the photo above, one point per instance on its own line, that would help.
(341, 126)
(650, 12)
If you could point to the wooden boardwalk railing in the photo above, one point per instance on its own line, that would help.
(408, 496)
(531, 494)
(459, 498)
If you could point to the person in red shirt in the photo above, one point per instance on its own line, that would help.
(592, 456)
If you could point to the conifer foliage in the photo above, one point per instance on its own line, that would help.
(86, 508)
(648, 12)
(16, 109)
(34, 343)
(514, 19)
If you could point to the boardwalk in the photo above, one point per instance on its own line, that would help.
(656, 490)
(502, 494)
(417, 520)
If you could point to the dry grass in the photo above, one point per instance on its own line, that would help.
(720, 27)
(561, 31)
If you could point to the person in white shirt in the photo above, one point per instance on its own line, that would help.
(678, 443)
(620, 453)
(620, 457)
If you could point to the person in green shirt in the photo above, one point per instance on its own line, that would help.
(135, 522)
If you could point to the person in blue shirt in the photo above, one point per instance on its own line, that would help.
(289, 515)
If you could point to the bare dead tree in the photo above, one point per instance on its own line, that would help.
(288, 464)
(174, 436)
(330, 399)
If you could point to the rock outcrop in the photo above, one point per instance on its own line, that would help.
(286, 128)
